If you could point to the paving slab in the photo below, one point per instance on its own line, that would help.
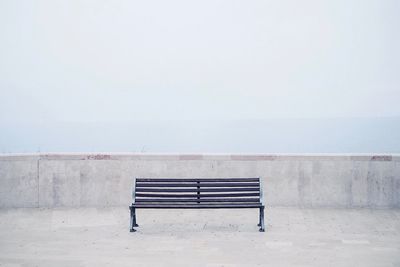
(294, 237)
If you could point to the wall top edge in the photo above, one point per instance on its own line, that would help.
(206, 156)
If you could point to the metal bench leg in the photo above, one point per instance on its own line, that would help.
(262, 229)
(259, 218)
(133, 220)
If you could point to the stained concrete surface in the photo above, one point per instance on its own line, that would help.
(96, 180)
(294, 237)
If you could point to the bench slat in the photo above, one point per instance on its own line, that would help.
(197, 185)
(196, 190)
(196, 206)
(200, 195)
(197, 180)
(144, 200)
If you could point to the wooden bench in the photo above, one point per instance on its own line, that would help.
(221, 193)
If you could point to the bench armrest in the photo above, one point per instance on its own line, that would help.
(262, 200)
(134, 191)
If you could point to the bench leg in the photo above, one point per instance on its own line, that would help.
(262, 229)
(259, 218)
(133, 220)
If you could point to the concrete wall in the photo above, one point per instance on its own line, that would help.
(74, 180)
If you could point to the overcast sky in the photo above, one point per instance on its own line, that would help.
(123, 61)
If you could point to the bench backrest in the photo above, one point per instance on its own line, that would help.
(197, 190)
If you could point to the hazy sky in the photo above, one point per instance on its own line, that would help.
(127, 60)
(122, 61)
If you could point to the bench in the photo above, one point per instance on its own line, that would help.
(197, 193)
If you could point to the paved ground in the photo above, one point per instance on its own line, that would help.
(294, 237)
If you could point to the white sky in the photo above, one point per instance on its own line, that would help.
(156, 60)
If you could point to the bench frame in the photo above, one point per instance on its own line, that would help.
(196, 204)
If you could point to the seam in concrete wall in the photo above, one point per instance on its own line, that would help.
(38, 182)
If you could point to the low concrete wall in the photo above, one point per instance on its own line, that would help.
(75, 180)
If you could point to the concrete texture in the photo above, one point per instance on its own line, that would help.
(103, 180)
(293, 237)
